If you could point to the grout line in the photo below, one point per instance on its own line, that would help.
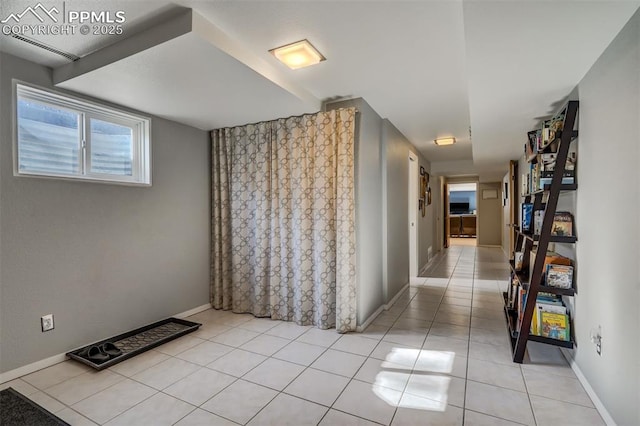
(495, 417)
(526, 387)
(466, 377)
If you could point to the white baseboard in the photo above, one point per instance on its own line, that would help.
(398, 294)
(30, 368)
(435, 258)
(429, 263)
(424, 268)
(382, 308)
(56, 359)
(193, 311)
(369, 320)
(587, 387)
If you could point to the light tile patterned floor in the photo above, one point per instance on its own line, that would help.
(439, 356)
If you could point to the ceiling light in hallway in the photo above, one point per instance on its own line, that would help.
(445, 141)
(298, 55)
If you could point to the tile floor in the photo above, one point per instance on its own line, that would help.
(439, 356)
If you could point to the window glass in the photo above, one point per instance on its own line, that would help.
(49, 138)
(111, 148)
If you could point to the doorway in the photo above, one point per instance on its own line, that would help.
(461, 213)
(413, 214)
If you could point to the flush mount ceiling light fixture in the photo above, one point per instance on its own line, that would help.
(445, 141)
(298, 55)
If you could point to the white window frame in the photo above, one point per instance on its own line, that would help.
(141, 136)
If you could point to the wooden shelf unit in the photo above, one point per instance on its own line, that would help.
(532, 282)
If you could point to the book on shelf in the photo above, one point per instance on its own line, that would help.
(554, 326)
(570, 180)
(524, 190)
(534, 173)
(513, 294)
(556, 124)
(542, 171)
(572, 161)
(532, 143)
(522, 300)
(545, 135)
(538, 217)
(550, 257)
(562, 224)
(548, 165)
(526, 217)
(545, 304)
(547, 161)
(560, 276)
(518, 256)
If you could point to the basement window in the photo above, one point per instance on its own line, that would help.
(64, 137)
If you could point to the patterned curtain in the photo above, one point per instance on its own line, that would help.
(283, 225)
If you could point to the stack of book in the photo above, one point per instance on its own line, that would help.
(550, 318)
(550, 258)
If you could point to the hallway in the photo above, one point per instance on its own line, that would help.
(439, 356)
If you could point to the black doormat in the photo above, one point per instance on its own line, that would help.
(18, 410)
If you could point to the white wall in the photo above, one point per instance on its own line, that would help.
(104, 259)
(489, 216)
(505, 216)
(395, 216)
(368, 193)
(608, 228)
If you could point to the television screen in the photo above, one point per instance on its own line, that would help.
(459, 208)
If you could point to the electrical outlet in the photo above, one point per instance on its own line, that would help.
(47, 322)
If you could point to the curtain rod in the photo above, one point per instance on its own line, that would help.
(284, 118)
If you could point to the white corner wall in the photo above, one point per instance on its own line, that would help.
(608, 226)
(368, 194)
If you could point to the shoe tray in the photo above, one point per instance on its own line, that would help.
(139, 340)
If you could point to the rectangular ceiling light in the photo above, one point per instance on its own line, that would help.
(445, 141)
(298, 55)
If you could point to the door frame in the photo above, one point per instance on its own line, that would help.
(513, 205)
(414, 176)
(445, 206)
(445, 214)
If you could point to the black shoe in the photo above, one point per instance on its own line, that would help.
(110, 349)
(96, 355)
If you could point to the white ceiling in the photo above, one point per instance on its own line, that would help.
(146, 80)
(433, 68)
(523, 58)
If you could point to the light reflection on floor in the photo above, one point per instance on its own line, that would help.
(426, 389)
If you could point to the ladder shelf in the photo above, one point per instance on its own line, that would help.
(528, 280)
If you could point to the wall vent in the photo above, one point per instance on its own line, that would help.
(45, 47)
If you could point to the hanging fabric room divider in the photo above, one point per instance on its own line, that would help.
(283, 226)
